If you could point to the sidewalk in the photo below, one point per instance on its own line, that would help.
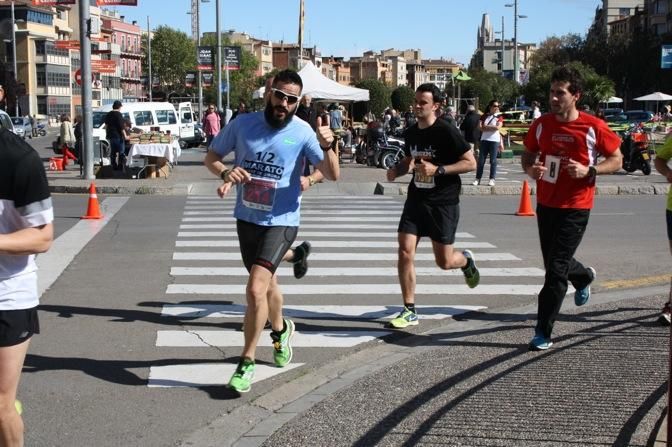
(191, 177)
(473, 382)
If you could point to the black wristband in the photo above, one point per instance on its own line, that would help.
(325, 149)
(592, 172)
(224, 173)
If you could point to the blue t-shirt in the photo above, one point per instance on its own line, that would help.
(274, 158)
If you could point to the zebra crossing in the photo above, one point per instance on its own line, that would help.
(352, 278)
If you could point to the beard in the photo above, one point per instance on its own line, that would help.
(274, 121)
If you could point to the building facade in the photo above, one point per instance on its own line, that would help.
(123, 44)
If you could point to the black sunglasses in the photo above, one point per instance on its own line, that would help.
(279, 94)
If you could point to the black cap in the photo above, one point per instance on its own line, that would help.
(116, 104)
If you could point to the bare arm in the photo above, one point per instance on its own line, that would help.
(27, 241)
(661, 166)
(402, 168)
(214, 163)
(466, 163)
(329, 167)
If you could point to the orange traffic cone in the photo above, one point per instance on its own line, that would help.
(525, 207)
(93, 212)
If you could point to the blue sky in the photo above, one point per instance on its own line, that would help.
(440, 28)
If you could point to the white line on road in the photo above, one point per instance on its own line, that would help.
(206, 374)
(320, 290)
(332, 244)
(305, 207)
(64, 249)
(358, 271)
(235, 256)
(310, 212)
(304, 234)
(303, 219)
(315, 312)
(325, 338)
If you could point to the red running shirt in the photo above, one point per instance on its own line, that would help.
(557, 142)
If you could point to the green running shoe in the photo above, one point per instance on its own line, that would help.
(241, 380)
(471, 275)
(282, 343)
(406, 318)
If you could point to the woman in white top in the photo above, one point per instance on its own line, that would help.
(67, 132)
(491, 122)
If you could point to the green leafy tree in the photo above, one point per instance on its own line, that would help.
(173, 55)
(402, 97)
(243, 82)
(487, 86)
(379, 98)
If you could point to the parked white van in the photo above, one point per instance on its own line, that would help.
(148, 115)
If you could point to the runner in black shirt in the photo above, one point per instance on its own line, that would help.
(437, 153)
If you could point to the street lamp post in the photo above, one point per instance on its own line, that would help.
(219, 59)
(516, 62)
(16, 73)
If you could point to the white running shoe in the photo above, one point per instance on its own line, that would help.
(491, 182)
(475, 182)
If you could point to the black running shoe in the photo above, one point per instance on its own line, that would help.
(300, 260)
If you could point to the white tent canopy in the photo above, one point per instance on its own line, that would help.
(319, 86)
(613, 99)
(655, 96)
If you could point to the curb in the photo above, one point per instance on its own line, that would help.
(254, 422)
(398, 189)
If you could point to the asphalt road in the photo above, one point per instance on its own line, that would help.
(103, 334)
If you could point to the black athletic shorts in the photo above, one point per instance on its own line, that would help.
(438, 222)
(17, 326)
(264, 246)
(668, 215)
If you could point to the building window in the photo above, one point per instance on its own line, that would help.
(40, 17)
(41, 75)
(42, 105)
(40, 47)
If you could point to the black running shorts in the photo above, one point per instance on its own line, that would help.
(264, 246)
(668, 215)
(438, 222)
(17, 326)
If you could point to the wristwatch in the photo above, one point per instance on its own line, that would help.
(224, 173)
(440, 171)
(592, 172)
(311, 181)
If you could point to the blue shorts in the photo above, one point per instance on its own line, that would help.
(668, 214)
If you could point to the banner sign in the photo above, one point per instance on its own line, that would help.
(103, 66)
(53, 2)
(231, 58)
(190, 79)
(208, 77)
(67, 44)
(117, 2)
(206, 58)
(666, 56)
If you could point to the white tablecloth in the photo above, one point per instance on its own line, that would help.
(169, 151)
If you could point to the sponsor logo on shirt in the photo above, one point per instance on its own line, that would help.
(265, 170)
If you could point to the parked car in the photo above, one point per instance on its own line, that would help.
(6, 121)
(630, 117)
(612, 111)
(22, 126)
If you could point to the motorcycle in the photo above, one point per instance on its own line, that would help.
(41, 130)
(635, 149)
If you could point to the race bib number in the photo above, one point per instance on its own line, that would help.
(259, 194)
(552, 172)
(423, 181)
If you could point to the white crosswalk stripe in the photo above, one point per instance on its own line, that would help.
(358, 231)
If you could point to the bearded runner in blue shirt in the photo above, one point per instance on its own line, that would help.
(269, 149)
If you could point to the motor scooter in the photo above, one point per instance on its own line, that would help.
(635, 150)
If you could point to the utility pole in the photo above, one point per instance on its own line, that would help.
(516, 68)
(87, 111)
(149, 58)
(503, 47)
(16, 73)
(219, 59)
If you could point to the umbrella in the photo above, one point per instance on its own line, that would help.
(614, 99)
(655, 96)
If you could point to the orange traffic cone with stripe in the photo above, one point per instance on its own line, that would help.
(93, 211)
(525, 207)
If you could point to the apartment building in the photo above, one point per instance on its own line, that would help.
(440, 71)
(122, 42)
(288, 56)
(261, 49)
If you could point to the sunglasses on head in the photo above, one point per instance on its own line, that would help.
(279, 94)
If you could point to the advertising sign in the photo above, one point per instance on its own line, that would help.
(206, 58)
(207, 79)
(53, 2)
(67, 44)
(190, 79)
(666, 56)
(231, 58)
(103, 66)
(117, 2)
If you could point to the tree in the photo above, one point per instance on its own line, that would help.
(244, 81)
(487, 86)
(402, 97)
(379, 98)
(173, 55)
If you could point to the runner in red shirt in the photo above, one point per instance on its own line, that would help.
(567, 142)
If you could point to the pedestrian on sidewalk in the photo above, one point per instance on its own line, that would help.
(491, 122)
(211, 124)
(437, 153)
(566, 142)
(269, 148)
(115, 131)
(663, 156)
(26, 229)
(471, 128)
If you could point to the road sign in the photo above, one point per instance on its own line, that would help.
(78, 77)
